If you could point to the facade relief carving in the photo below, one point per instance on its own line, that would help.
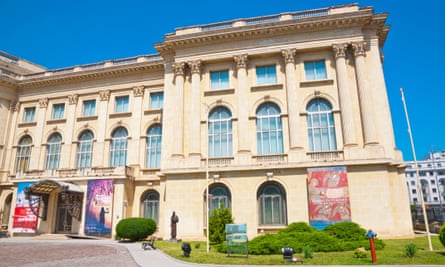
(73, 99)
(241, 61)
(339, 50)
(289, 55)
(358, 48)
(104, 95)
(43, 102)
(138, 91)
(195, 66)
(179, 68)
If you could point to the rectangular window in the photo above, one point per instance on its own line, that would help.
(156, 100)
(219, 79)
(122, 104)
(315, 70)
(29, 115)
(89, 108)
(266, 75)
(58, 111)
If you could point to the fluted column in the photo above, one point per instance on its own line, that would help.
(365, 95)
(345, 95)
(243, 100)
(195, 109)
(292, 98)
(178, 133)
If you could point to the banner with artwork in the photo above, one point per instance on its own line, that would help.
(25, 221)
(328, 196)
(98, 207)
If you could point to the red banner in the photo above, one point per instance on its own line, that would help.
(24, 219)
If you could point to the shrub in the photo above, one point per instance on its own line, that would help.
(346, 231)
(298, 227)
(135, 229)
(410, 250)
(360, 253)
(442, 234)
(217, 224)
(308, 252)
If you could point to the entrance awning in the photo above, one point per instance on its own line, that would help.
(47, 186)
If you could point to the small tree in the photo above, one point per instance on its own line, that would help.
(217, 224)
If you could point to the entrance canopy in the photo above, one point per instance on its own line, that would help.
(47, 186)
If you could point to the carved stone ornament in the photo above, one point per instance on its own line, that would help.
(339, 50)
(241, 61)
(138, 91)
(72, 99)
(359, 48)
(43, 103)
(179, 68)
(195, 66)
(289, 55)
(14, 106)
(104, 95)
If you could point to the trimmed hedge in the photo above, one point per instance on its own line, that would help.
(135, 229)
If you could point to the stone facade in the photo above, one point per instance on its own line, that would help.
(218, 75)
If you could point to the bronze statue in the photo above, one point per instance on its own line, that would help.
(173, 221)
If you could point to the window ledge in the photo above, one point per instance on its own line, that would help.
(316, 83)
(265, 87)
(27, 124)
(55, 121)
(87, 118)
(120, 114)
(152, 111)
(226, 91)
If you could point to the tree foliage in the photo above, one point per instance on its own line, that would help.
(217, 224)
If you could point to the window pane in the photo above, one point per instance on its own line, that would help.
(156, 100)
(220, 133)
(269, 129)
(85, 150)
(266, 74)
(53, 152)
(23, 154)
(219, 79)
(58, 110)
(315, 70)
(321, 128)
(153, 147)
(122, 104)
(29, 114)
(118, 147)
(89, 108)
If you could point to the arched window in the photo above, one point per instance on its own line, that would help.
(118, 149)
(272, 205)
(269, 130)
(153, 147)
(219, 196)
(321, 127)
(220, 133)
(85, 150)
(53, 151)
(23, 154)
(150, 206)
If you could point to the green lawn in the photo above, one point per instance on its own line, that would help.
(393, 253)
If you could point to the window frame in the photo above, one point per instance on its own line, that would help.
(26, 114)
(277, 216)
(58, 111)
(219, 142)
(157, 100)
(217, 81)
(122, 107)
(87, 110)
(316, 131)
(270, 140)
(118, 147)
(23, 157)
(270, 77)
(153, 147)
(53, 152)
(311, 71)
(84, 154)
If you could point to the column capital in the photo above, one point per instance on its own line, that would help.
(138, 91)
(104, 95)
(289, 55)
(241, 61)
(73, 99)
(339, 50)
(43, 102)
(195, 66)
(358, 48)
(14, 106)
(179, 68)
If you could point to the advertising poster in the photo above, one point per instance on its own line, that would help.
(98, 207)
(24, 219)
(328, 196)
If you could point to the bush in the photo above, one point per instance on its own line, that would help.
(360, 253)
(217, 224)
(410, 250)
(442, 234)
(298, 227)
(135, 229)
(308, 252)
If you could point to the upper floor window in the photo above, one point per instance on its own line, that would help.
(29, 115)
(153, 147)
(266, 74)
(85, 150)
(122, 103)
(220, 132)
(315, 70)
(321, 128)
(219, 79)
(23, 154)
(89, 108)
(53, 151)
(58, 111)
(269, 129)
(156, 100)
(118, 149)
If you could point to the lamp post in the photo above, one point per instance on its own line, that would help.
(207, 179)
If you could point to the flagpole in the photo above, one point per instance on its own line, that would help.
(419, 185)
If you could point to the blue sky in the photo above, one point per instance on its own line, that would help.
(57, 34)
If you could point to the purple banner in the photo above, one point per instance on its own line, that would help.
(98, 207)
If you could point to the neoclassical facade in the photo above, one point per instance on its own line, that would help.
(282, 118)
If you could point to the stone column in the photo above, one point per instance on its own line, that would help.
(195, 109)
(38, 161)
(178, 118)
(365, 94)
(243, 103)
(11, 153)
(136, 111)
(292, 98)
(99, 154)
(68, 149)
(348, 128)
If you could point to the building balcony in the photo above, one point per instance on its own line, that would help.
(122, 171)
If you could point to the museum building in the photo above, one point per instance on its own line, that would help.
(282, 118)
